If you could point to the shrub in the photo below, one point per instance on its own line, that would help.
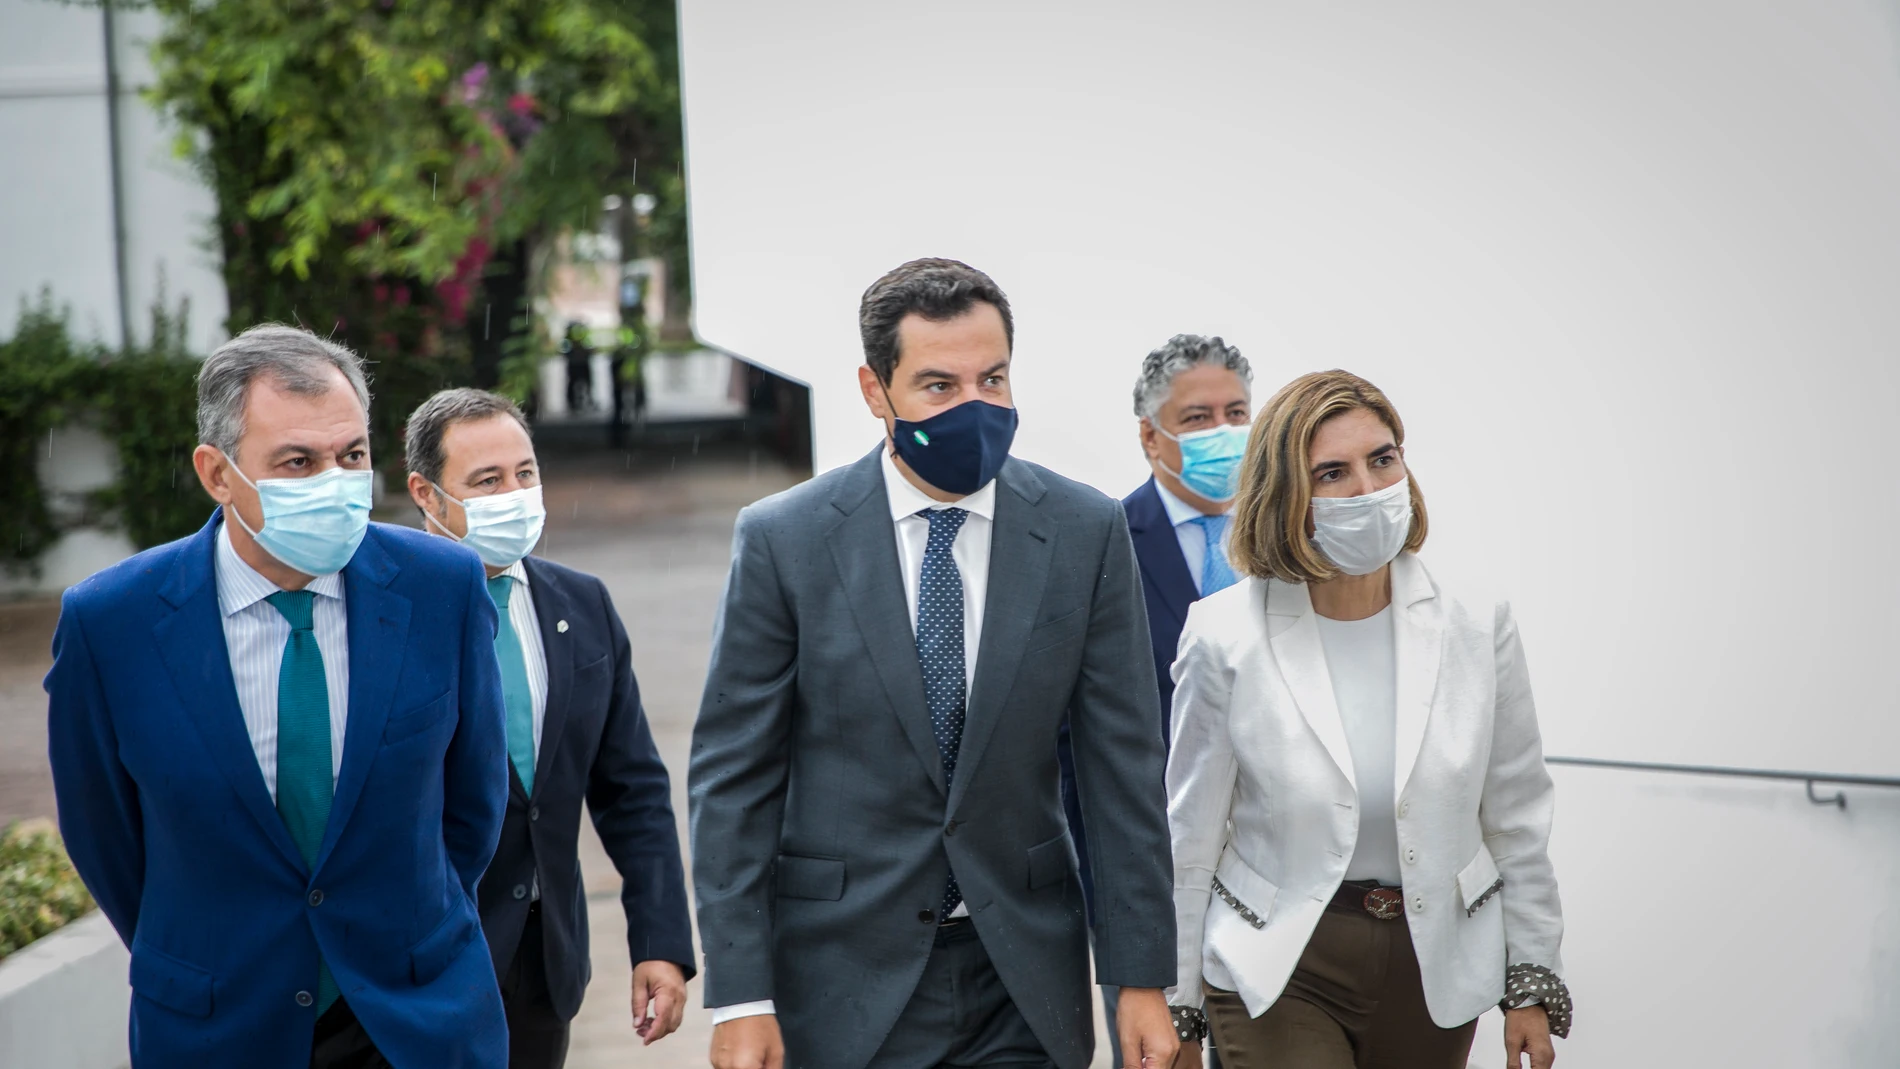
(41, 382)
(145, 401)
(148, 406)
(39, 890)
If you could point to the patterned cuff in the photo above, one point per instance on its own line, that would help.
(1189, 1023)
(1532, 985)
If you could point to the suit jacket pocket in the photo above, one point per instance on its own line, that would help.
(820, 878)
(171, 983)
(1066, 628)
(1479, 881)
(417, 720)
(1246, 892)
(429, 957)
(1051, 862)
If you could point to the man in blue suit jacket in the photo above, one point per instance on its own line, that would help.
(278, 749)
(1192, 386)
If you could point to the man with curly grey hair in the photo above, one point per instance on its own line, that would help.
(1194, 400)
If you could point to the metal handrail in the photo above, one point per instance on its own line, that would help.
(1838, 799)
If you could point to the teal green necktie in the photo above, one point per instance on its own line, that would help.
(305, 780)
(516, 697)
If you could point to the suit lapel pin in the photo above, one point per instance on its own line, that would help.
(561, 627)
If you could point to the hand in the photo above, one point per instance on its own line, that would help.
(659, 1000)
(748, 1043)
(1189, 1058)
(1527, 1031)
(1147, 1029)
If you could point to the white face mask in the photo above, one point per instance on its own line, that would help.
(502, 528)
(1360, 535)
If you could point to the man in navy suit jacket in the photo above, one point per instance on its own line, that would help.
(576, 729)
(1192, 384)
(278, 749)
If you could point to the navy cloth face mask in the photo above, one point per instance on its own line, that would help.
(958, 450)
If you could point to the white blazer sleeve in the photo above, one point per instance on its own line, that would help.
(1201, 777)
(1515, 811)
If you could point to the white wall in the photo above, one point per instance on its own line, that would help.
(63, 1000)
(56, 226)
(56, 222)
(1628, 269)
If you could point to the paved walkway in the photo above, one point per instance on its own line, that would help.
(657, 529)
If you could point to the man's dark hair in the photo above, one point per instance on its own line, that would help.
(933, 288)
(430, 423)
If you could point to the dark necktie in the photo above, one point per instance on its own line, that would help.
(940, 650)
(305, 782)
(516, 698)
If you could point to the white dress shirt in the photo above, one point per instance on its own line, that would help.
(971, 551)
(1191, 535)
(1362, 662)
(528, 628)
(255, 635)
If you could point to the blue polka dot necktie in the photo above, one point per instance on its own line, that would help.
(1216, 573)
(940, 650)
(306, 782)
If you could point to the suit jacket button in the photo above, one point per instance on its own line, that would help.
(304, 999)
(316, 898)
(950, 828)
(534, 812)
(928, 916)
(520, 891)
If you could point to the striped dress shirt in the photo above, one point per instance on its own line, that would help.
(255, 634)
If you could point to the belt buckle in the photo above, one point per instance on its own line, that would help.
(1384, 903)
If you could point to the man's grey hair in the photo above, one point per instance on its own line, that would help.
(430, 423)
(291, 357)
(1182, 352)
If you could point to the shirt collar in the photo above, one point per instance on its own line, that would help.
(1179, 511)
(241, 586)
(907, 500)
(516, 571)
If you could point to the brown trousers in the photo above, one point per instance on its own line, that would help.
(1355, 1002)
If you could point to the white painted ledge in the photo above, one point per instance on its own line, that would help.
(63, 1000)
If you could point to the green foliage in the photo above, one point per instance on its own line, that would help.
(148, 403)
(144, 400)
(431, 122)
(369, 157)
(39, 891)
(42, 382)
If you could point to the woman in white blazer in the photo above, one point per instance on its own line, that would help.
(1357, 793)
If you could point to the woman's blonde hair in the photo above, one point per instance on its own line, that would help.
(1269, 539)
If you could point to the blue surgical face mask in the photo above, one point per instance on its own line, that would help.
(1210, 460)
(313, 524)
(958, 450)
(502, 528)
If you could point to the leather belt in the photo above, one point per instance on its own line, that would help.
(1371, 898)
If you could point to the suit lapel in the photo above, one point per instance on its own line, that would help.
(1301, 657)
(550, 607)
(379, 638)
(1158, 549)
(1419, 638)
(864, 551)
(1021, 544)
(191, 640)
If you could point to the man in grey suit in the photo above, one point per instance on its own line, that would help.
(881, 860)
